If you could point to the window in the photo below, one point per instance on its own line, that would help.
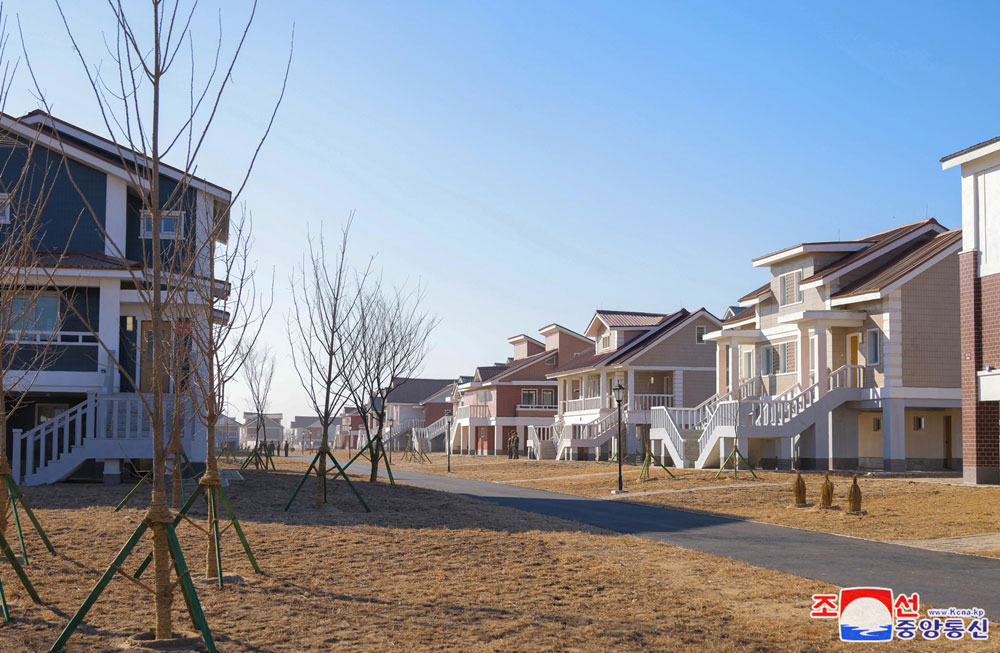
(876, 423)
(529, 397)
(39, 314)
(171, 224)
(550, 361)
(779, 359)
(548, 398)
(4, 208)
(788, 288)
(813, 354)
(874, 356)
(699, 335)
(606, 341)
(918, 423)
(748, 364)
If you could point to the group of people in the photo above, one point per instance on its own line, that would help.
(513, 444)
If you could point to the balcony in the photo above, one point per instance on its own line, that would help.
(647, 401)
(587, 403)
(474, 411)
(536, 407)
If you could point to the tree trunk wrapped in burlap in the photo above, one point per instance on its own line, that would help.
(854, 496)
(799, 489)
(826, 494)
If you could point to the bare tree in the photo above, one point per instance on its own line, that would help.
(322, 304)
(258, 374)
(146, 45)
(386, 341)
(227, 312)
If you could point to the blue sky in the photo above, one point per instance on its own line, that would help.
(530, 162)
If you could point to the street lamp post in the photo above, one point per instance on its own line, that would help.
(390, 440)
(619, 394)
(447, 436)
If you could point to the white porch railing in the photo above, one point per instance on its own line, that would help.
(725, 414)
(695, 418)
(587, 403)
(47, 337)
(648, 401)
(474, 411)
(753, 387)
(535, 407)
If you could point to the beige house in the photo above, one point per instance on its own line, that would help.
(660, 359)
(848, 357)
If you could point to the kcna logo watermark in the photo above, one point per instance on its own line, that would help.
(873, 614)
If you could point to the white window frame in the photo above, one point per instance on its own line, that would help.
(873, 337)
(782, 350)
(45, 295)
(919, 423)
(552, 397)
(699, 334)
(797, 297)
(813, 354)
(747, 362)
(606, 340)
(4, 208)
(146, 234)
(534, 394)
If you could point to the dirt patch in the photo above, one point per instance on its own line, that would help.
(423, 571)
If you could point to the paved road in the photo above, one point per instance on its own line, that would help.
(943, 579)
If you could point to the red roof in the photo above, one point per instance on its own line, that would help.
(621, 319)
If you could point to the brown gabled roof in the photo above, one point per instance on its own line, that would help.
(880, 241)
(585, 361)
(741, 315)
(622, 319)
(895, 270)
(754, 294)
(522, 363)
(487, 372)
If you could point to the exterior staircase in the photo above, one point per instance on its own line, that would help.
(587, 436)
(424, 435)
(691, 435)
(542, 441)
(106, 426)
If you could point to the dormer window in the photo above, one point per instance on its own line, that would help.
(789, 291)
(606, 341)
(171, 224)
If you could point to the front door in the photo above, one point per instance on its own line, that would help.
(146, 368)
(853, 344)
(947, 442)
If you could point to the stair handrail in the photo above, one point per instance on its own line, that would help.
(847, 376)
(660, 418)
(26, 439)
(696, 417)
(776, 411)
(725, 413)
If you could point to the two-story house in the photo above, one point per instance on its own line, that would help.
(83, 416)
(979, 272)
(659, 359)
(847, 358)
(407, 406)
(257, 428)
(515, 396)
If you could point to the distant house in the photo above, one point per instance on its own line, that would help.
(254, 429)
(350, 426)
(227, 431)
(661, 360)
(307, 432)
(404, 410)
(513, 396)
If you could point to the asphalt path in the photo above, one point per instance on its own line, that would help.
(942, 579)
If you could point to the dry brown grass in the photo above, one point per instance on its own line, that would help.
(423, 571)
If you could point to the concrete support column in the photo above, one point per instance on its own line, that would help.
(109, 314)
(785, 454)
(630, 394)
(893, 435)
(813, 446)
(112, 471)
(604, 389)
(721, 387)
(843, 433)
(734, 368)
(822, 364)
(803, 362)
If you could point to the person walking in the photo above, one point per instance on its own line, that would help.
(286, 448)
(517, 445)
